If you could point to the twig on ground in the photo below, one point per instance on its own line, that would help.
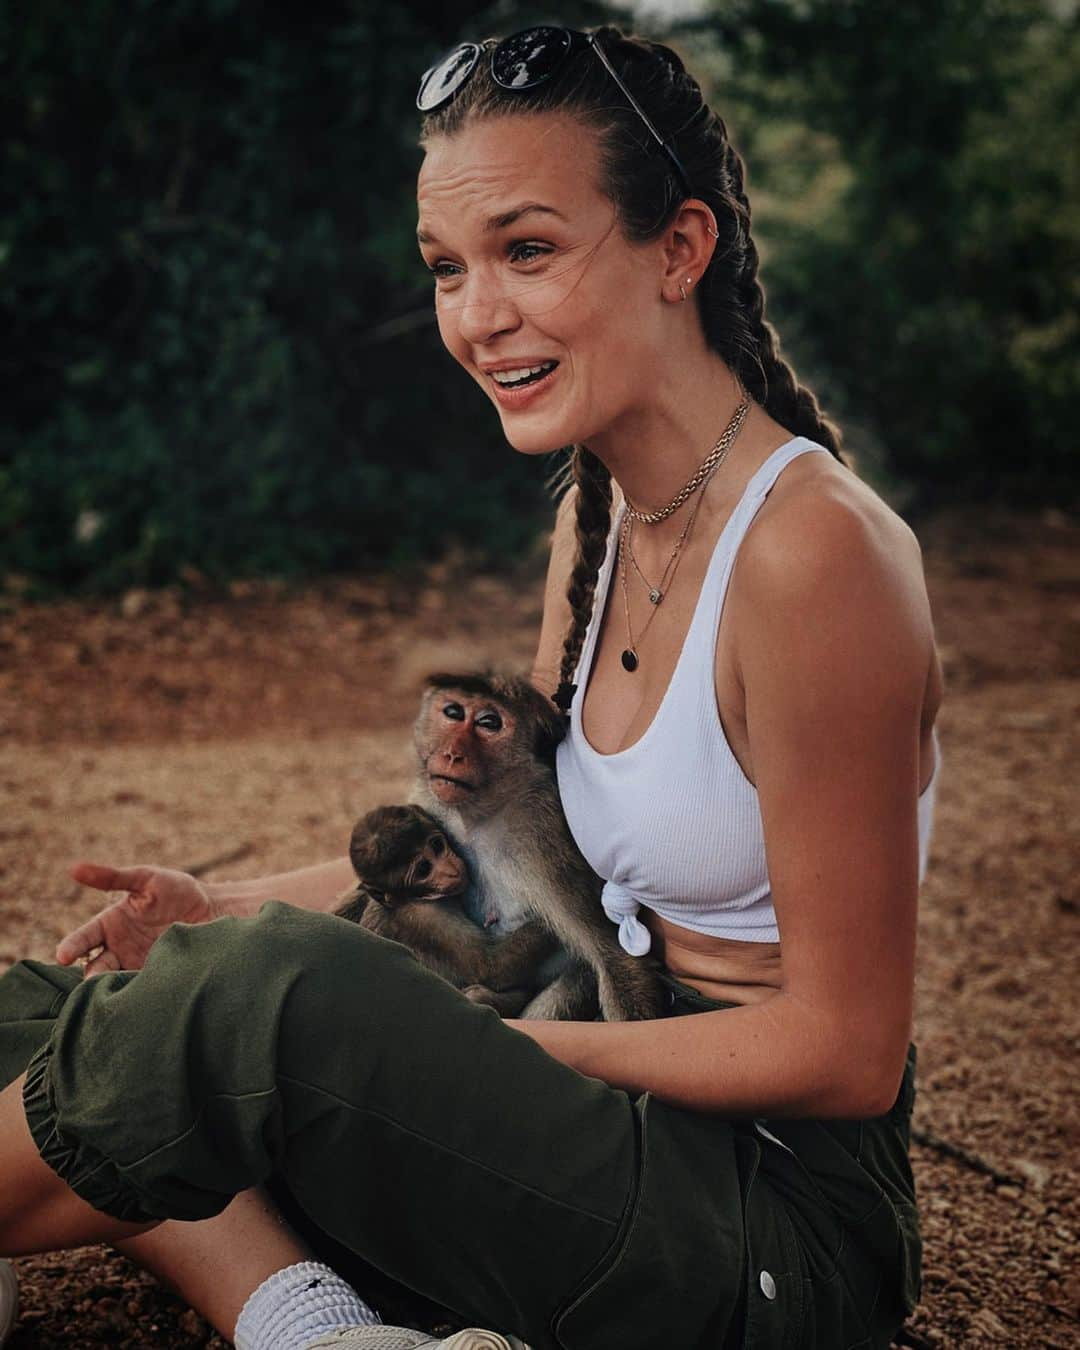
(195, 869)
(219, 860)
(931, 1140)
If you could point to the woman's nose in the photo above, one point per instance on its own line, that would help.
(485, 312)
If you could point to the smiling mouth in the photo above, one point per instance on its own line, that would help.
(523, 376)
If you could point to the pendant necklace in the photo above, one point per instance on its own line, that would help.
(629, 656)
(704, 473)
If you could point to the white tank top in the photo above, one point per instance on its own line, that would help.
(672, 822)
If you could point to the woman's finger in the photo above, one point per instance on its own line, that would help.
(104, 878)
(81, 941)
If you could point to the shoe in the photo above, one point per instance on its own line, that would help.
(9, 1300)
(401, 1338)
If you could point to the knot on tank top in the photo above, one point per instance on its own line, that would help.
(621, 907)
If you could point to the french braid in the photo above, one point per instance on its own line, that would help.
(592, 520)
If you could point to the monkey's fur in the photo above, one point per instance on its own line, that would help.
(485, 745)
(409, 882)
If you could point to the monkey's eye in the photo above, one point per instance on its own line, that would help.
(455, 711)
(491, 720)
(437, 844)
(422, 870)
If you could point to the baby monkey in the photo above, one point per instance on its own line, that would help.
(410, 879)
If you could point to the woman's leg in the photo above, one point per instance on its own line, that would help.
(416, 1128)
(39, 1211)
(214, 1265)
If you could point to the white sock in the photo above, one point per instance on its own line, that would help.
(297, 1305)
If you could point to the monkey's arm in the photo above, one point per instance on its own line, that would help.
(442, 937)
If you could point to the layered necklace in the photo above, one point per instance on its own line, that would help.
(705, 471)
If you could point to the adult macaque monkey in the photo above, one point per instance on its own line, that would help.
(409, 882)
(486, 748)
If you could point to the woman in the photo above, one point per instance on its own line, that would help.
(743, 640)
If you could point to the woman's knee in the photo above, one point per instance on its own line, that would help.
(31, 995)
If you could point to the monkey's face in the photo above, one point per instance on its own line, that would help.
(436, 873)
(463, 739)
(402, 853)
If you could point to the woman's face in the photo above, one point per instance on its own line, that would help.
(559, 285)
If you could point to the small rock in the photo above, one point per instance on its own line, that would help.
(191, 1324)
(990, 1324)
(133, 603)
(1037, 1173)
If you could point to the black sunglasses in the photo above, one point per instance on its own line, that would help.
(521, 62)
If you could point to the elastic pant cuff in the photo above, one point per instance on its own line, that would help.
(91, 1175)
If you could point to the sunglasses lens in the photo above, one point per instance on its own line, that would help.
(446, 77)
(527, 58)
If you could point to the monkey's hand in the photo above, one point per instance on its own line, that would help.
(506, 1002)
(120, 936)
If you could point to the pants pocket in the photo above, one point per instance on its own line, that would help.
(775, 1273)
(674, 1273)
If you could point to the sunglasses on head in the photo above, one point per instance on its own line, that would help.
(521, 62)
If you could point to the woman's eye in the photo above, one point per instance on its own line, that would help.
(517, 252)
(520, 252)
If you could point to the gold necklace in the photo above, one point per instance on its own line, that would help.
(712, 460)
(705, 471)
(629, 656)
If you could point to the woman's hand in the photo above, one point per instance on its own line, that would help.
(127, 929)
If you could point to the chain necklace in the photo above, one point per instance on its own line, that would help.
(703, 475)
(711, 461)
(629, 656)
(626, 544)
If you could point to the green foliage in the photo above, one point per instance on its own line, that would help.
(208, 218)
(914, 173)
(220, 350)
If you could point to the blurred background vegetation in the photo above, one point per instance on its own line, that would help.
(219, 348)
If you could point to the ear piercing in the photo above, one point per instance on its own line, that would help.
(715, 233)
(689, 282)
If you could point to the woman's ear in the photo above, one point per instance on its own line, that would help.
(687, 249)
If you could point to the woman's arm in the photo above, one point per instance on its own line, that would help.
(833, 657)
(315, 887)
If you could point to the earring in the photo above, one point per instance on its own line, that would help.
(689, 282)
(715, 233)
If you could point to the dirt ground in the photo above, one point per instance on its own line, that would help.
(257, 723)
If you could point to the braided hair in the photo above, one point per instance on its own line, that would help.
(637, 178)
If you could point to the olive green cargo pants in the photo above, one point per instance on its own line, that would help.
(451, 1152)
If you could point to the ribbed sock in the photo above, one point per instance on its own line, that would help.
(297, 1305)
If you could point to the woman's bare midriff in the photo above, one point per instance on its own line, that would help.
(740, 972)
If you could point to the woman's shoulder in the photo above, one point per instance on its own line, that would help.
(821, 523)
(826, 556)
